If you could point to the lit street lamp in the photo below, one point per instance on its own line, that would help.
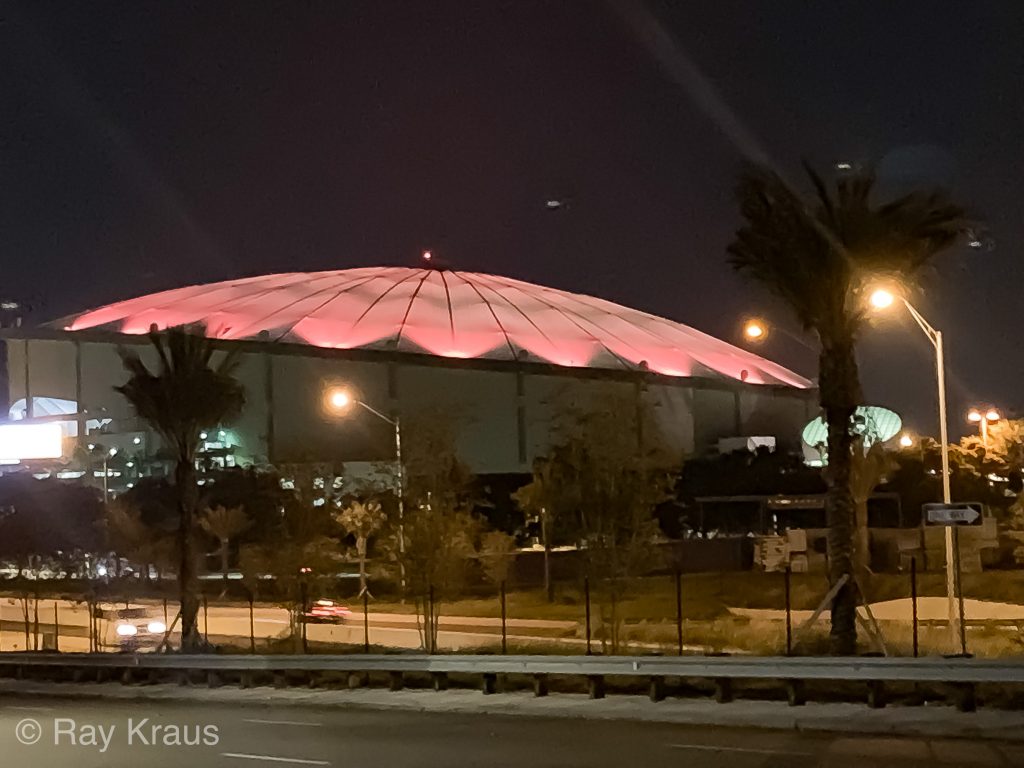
(882, 299)
(754, 330)
(991, 416)
(906, 441)
(337, 401)
(757, 331)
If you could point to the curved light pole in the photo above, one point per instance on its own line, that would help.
(883, 299)
(338, 400)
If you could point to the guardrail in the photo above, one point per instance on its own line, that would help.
(961, 675)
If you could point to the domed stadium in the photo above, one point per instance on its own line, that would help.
(495, 350)
(442, 313)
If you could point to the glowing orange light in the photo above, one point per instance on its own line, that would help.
(338, 399)
(882, 299)
(755, 330)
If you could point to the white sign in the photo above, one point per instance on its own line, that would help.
(19, 442)
(952, 514)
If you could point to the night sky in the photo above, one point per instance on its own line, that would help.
(147, 145)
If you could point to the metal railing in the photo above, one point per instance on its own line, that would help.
(960, 674)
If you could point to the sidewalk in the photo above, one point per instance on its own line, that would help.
(929, 721)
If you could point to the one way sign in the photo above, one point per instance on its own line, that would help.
(961, 513)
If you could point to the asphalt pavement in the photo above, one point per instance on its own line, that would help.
(102, 734)
(230, 624)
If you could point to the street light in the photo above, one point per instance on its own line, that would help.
(881, 299)
(757, 331)
(102, 452)
(754, 330)
(906, 441)
(338, 400)
(983, 420)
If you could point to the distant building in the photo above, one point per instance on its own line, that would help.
(496, 351)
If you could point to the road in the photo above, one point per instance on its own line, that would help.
(227, 623)
(98, 734)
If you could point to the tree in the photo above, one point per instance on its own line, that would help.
(128, 535)
(186, 393)
(300, 553)
(868, 469)
(439, 530)
(497, 550)
(990, 472)
(545, 496)
(361, 520)
(224, 524)
(1015, 529)
(612, 472)
(818, 256)
(257, 490)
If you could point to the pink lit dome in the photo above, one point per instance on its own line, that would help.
(439, 312)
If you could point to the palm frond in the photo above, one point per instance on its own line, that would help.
(184, 394)
(812, 254)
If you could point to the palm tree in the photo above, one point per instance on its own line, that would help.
(128, 535)
(224, 523)
(185, 394)
(817, 256)
(362, 521)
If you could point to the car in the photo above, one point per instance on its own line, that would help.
(326, 612)
(134, 629)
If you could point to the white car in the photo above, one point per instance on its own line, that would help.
(134, 629)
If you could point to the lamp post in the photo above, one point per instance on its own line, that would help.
(338, 400)
(95, 449)
(883, 299)
(983, 420)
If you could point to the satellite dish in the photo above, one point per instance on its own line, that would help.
(871, 422)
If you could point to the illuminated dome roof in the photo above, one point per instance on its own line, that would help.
(439, 312)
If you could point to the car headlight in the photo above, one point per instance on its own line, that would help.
(156, 627)
(127, 630)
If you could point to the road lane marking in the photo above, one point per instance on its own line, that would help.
(714, 748)
(272, 759)
(30, 709)
(280, 722)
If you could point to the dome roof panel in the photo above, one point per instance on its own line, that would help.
(440, 312)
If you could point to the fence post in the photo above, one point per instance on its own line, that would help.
(206, 622)
(504, 634)
(252, 625)
(304, 598)
(165, 611)
(679, 611)
(432, 638)
(586, 599)
(56, 627)
(35, 614)
(913, 599)
(959, 591)
(27, 621)
(366, 621)
(789, 615)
